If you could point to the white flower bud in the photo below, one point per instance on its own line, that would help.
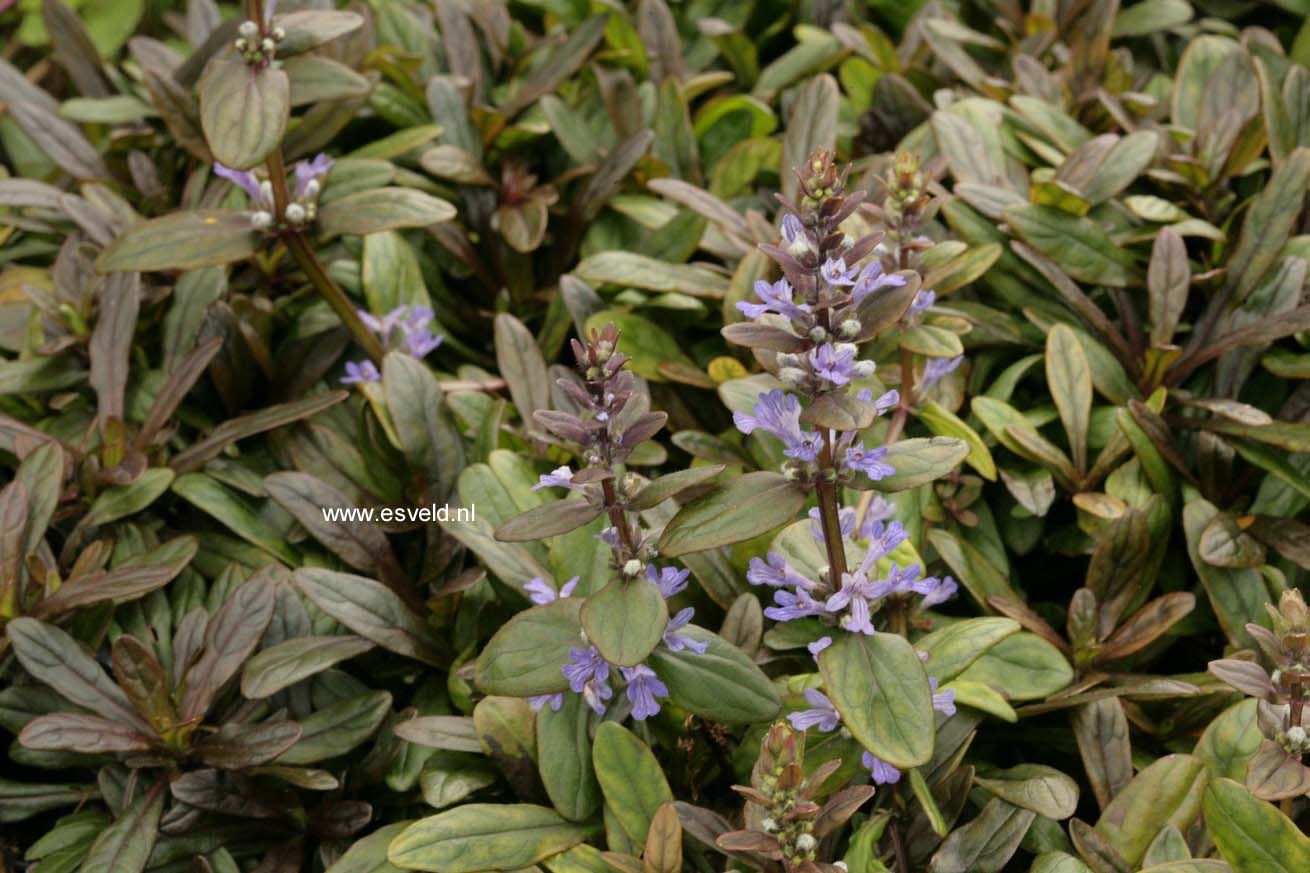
(241, 45)
(806, 843)
(769, 825)
(850, 328)
(312, 188)
(262, 220)
(1296, 735)
(818, 334)
(633, 567)
(248, 29)
(787, 359)
(266, 191)
(268, 46)
(845, 348)
(800, 246)
(791, 376)
(279, 34)
(864, 369)
(295, 213)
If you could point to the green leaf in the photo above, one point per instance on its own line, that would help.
(953, 648)
(338, 728)
(243, 111)
(1069, 380)
(125, 846)
(228, 508)
(309, 29)
(945, 423)
(1022, 667)
(369, 855)
(630, 778)
(1044, 790)
(631, 270)
(230, 636)
(1252, 834)
(658, 490)
(1267, 224)
(917, 461)
(1078, 245)
(525, 656)
(370, 609)
(288, 662)
(625, 620)
(548, 520)
(379, 209)
(182, 241)
(564, 750)
(746, 507)
(811, 124)
(879, 686)
(1231, 741)
(1168, 792)
(722, 684)
(1237, 595)
(985, 844)
(484, 836)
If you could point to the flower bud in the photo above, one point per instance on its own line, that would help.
(864, 369)
(268, 46)
(262, 220)
(279, 34)
(788, 359)
(241, 44)
(312, 188)
(806, 843)
(818, 334)
(1296, 735)
(295, 213)
(769, 826)
(248, 29)
(850, 328)
(791, 376)
(633, 567)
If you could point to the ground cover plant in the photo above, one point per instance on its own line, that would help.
(581, 436)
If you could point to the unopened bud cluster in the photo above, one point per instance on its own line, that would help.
(256, 48)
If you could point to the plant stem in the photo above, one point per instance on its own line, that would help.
(619, 518)
(301, 250)
(830, 516)
(898, 843)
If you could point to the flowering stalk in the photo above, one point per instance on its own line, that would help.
(614, 418)
(290, 230)
(813, 320)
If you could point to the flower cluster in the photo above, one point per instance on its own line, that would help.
(863, 588)
(303, 204)
(1277, 771)
(257, 43)
(405, 327)
(613, 417)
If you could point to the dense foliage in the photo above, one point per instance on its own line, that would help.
(799, 436)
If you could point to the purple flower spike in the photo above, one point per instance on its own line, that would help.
(643, 687)
(822, 714)
(360, 371)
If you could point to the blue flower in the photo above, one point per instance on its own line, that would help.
(780, 414)
(774, 570)
(260, 193)
(585, 665)
(777, 298)
(868, 461)
(835, 272)
(882, 772)
(942, 701)
(360, 371)
(540, 591)
(818, 646)
(669, 580)
(555, 701)
(643, 687)
(676, 641)
(922, 301)
(821, 714)
(941, 592)
(560, 477)
(792, 606)
(836, 363)
(308, 174)
(873, 279)
(937, 368)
